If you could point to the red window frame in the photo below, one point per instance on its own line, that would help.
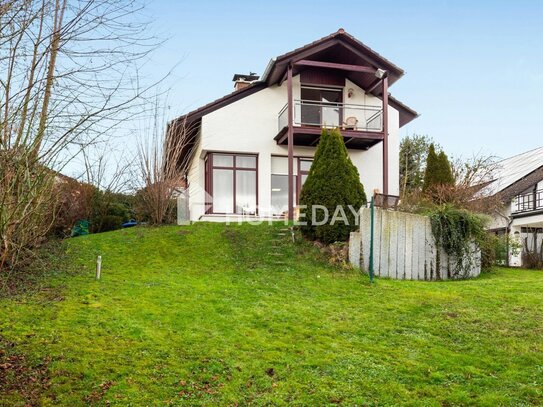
(299, 176)
(209, 167)
(300, 172)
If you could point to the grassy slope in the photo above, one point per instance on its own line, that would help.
(209, 316)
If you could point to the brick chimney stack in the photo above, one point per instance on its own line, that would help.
(243, 80)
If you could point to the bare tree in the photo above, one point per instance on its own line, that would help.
(107, 169)
(69, 75)
(474, 171)
(164, 156)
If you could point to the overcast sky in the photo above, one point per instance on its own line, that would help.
(474, 70)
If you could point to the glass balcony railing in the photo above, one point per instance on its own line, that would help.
(326, 114)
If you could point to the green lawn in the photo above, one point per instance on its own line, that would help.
(214, 315)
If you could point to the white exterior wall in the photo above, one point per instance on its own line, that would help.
(249, 125)
(515, 226)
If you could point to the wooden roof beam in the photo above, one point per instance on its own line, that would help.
(333, 65)
(284, 78)
(374, 85)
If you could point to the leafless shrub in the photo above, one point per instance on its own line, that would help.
(463, 196)
(26, 200)
(532, 254)
(532, 260)
(474, 171)
(164, 158)
(471, 176)
(74, 201)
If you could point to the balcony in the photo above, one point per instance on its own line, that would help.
(361, 125)
(528, 203)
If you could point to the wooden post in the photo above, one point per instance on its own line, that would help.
(385, 134)
(290, 143)
(98, 267)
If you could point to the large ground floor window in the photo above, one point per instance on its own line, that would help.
(231, 181)
(279, 181)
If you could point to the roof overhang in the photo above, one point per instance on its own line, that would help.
(339, 50)
(339, 47)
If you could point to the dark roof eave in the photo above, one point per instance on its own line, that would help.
(407, 114)
(221, 102)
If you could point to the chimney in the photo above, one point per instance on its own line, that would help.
(243, 80)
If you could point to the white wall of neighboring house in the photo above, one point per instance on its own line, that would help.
(250, 124)
(501, 220)
(506, 219)
(534, 221)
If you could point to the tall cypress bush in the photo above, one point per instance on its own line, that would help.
(333, 182)
(438, 170)
(445, 170)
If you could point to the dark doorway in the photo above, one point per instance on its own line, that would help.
(321, 106)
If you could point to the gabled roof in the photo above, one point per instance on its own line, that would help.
(513, 169)
(339, 46)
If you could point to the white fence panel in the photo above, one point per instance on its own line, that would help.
(404, 248)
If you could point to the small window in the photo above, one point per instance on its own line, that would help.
(279, 165)
(222, 160)
(245, 161)
(305, 165)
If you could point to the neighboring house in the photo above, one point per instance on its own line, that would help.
(518, 182)
(247, 143)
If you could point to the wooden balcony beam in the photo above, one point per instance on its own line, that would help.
(373, 85)
(284, 78)
(347, 134)
(385, 135)
(290, 144)
(333, 65)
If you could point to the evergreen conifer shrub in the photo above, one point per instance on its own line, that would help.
(438, 170)
(445, 171)
(333, 182)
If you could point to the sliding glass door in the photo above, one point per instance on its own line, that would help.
(321, 106)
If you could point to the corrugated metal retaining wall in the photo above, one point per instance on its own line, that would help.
(404, 248)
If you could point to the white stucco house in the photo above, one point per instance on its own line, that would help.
(247, 143)
(518, 182)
